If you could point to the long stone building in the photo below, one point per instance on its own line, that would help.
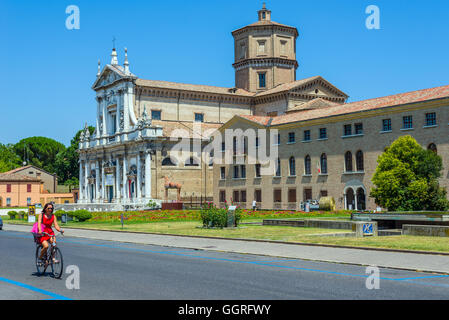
(141, 123)
(328, 149)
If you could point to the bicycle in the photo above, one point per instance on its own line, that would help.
(53, 257)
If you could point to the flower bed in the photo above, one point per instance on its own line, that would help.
(195, 215)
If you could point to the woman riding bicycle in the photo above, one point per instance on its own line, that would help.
(45, 222)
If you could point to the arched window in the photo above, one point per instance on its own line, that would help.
(307, 165)
(432, 147)
(348, 161)
(191, 162)
(323, 163)
(359, 160)
(291, 163)
(168, 162)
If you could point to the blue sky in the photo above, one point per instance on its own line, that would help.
(47, 70)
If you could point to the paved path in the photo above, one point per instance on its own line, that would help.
(385, 259)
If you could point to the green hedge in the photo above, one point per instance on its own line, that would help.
(80, 215)
(12, 214)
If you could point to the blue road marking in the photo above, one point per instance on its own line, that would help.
(26, 286)
(261, 263)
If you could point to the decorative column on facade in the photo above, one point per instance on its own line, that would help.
(81, 181)
(139, 178)
(98, 128)
(97, 180)
(103, 183)
(126, 107)
(104, 123)
(125, 182)
(86, 182)
(148, 174)
(117, 179)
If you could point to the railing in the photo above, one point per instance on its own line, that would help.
(195, 202)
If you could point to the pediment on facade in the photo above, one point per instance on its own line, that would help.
(109, 76)
(318, 87)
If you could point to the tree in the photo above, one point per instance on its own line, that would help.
(406, 178)
(67, 162)
(40, 152)
(9, 160)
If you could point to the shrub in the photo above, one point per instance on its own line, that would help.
(327, 204)
(12, 214)
(21, 214)
(59, 214)
(214, 217)
(82, 215)
(152, 204)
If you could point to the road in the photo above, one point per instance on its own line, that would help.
(113, 270)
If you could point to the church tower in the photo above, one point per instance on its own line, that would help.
(265, 54)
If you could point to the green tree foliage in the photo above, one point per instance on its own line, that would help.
(40, 152)
(406, 178)
(8, 158)
(67, 161)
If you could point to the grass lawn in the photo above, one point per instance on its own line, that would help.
(194, 228)
(279, 233)
(420, 243)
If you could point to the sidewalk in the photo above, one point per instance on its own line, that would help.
(398, 260)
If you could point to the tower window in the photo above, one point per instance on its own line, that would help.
(261, 47)
(283, 47)
(262, 80)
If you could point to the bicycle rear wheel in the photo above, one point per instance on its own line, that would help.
(40, 265)
(57, 264)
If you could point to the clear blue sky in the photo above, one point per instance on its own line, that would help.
(47, 71)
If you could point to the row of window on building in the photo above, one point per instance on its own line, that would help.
(347, 132)
(240, 196)
(239, 171)
(9, 188)
(357, 129)
(157, 115)
(8, 202)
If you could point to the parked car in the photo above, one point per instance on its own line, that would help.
(1, 223)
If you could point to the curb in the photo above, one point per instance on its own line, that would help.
(288, 243)
(275, 242)
(268, 241)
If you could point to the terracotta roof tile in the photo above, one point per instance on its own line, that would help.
(365, 105)
(17, 177)
(193, 87)
(359, 106)
(317, 103)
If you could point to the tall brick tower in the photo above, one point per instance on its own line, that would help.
(265, 54)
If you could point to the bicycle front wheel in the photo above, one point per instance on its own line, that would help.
(57, 265)
(40, 266)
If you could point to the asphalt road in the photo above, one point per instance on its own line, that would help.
(112, 270)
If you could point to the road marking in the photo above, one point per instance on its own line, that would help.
(425, 277)
(26, 286)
